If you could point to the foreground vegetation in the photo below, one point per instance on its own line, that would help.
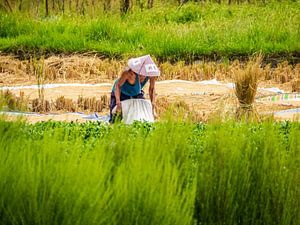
(164, 173)
(169, 33)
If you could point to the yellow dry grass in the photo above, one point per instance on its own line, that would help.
(92, 69)
(246, 83)
(13, 102)
(296, 85)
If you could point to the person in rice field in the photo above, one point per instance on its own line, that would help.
(130, 86)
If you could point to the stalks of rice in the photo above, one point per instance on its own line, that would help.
(67, 104)
(14, 102)
(246, 82)
(38, 105)
(92, 68)
(296, 85)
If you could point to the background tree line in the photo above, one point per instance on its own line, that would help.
(47, 7)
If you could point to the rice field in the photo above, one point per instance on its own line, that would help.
(171, 172)
(189, 32)
(230, 170)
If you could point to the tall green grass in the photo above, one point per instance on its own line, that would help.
(168, 33)
(166, 173)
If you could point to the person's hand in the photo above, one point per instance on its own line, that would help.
(154, 114)
(153, 111)
(119, 107)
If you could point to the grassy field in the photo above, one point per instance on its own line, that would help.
(168, 33)
(166, 173)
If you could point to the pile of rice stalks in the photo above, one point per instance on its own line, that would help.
(296, 85)
(9, 101)
(88, 104)
(91, 68)
(82, 67)
(246, 82)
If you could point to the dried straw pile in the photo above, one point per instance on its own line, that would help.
(246, 82)
(10, 101)
(91, 68)
(296, 85)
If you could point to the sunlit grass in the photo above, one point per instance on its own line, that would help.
(167, 33)
(166, 173)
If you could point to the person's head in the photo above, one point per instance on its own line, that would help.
(129, 72)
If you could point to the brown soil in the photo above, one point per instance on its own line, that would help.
(203, 100)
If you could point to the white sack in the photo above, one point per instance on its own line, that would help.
(136, 109)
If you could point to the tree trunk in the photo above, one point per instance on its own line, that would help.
(93, 7)
(77, 6)
(20, 5)
(70, 5)
(82, 8)
(47, 7)
(59, 5)
(63, 6)
(53, 5)
(8, 5)
(38, 8)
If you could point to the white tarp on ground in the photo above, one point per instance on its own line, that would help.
(210, 82)
(132, 110)
(137, 110)
(286, 97)
(204, 82)
(93, 117)
(288, 111)
(273, 89)
(48, 86)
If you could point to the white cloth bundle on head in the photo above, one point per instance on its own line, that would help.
(144, 66)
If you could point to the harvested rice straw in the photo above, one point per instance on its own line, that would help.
(246, 82)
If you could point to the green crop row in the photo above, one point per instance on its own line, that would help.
(163, 173)
(169, 33)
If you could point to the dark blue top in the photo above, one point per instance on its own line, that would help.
(132, 89)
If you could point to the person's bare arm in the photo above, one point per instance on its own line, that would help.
(152, 92)
(119, 83)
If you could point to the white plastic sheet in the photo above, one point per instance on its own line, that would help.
(273, 89)
(288, 111)
(210, 82)
(93, 117)
(48, 86)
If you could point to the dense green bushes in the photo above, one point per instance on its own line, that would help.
(164, 173)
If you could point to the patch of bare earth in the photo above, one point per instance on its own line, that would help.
(203, 101)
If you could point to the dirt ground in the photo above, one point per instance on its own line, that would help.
(204, 100)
